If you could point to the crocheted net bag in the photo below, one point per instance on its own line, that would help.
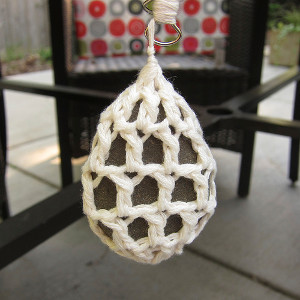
(148, 183)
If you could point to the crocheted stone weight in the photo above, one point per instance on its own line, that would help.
(148, 184)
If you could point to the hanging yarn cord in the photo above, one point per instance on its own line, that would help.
(164, 12)
(147, 205)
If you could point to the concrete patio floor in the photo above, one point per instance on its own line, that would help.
(250, 249)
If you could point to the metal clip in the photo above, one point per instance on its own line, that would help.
(177, 29)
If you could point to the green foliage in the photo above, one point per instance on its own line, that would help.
(13, 53)
(284, 19)
(45, 54)
(275, 12)
(293, 17)
(290, 23)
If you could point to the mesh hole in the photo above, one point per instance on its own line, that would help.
(140, 133)
(94, 175)
(187, 155)
(173, 130)
(105, 194)
(184, 190)
(181, 114)
(209, 186)
(135, 112)
(138, 229)
(131, 174)
(117, 153)
(174, 224)
(161, 114)
(107, 231)
(146, 192)
(153, 151)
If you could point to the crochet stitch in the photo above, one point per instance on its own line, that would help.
(148, 183)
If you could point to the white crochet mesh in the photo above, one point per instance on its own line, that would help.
(147, 155)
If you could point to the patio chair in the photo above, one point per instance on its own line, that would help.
(109, 64)
(229, 119)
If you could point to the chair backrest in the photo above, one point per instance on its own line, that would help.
(116, 27)
(245, 45)
(202, 86)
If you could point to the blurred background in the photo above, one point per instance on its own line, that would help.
(249, 250)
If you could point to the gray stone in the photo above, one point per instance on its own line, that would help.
(147, 191)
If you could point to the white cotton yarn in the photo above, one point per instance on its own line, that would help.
(165, 11)
(153, 89)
